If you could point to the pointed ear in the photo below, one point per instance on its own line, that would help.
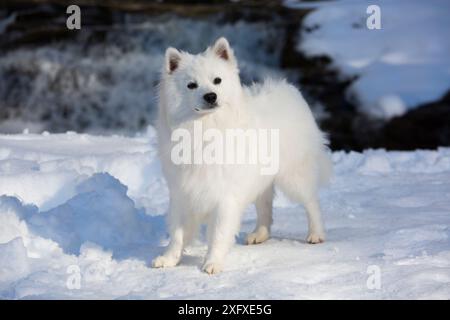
(223, 50)
(173, 58)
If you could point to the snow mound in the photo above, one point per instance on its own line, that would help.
(13, 260)
(101, 212)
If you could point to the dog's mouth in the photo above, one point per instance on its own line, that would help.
(206, 108)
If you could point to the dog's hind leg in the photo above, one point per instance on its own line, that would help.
(263, 206)
(301, 187)
(316, 232)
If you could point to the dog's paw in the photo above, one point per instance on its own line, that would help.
(257, 237)
(212, 267)
(164, 262)
(315, 237)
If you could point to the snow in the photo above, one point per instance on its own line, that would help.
(398, 67)
(81, 216)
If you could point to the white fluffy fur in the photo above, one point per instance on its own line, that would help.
(218, 194)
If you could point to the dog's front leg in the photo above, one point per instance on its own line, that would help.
(172, 255)
(178, 232)
(222, 228)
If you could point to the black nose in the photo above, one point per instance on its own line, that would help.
(210, 97)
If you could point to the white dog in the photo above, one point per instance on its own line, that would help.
(206, 89)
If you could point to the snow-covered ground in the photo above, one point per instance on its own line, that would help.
(404, 64)
(90, 208)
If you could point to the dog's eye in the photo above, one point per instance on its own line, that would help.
(192, 85)
(217, 80)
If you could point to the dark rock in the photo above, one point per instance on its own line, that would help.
(424, 127)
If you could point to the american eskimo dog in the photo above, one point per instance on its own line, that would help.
(205, 90)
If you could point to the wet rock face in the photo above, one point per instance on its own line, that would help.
(102, 79)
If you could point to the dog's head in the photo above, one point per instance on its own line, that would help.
(201, 84)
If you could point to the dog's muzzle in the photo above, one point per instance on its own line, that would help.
(206, 108)
(211, 103)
